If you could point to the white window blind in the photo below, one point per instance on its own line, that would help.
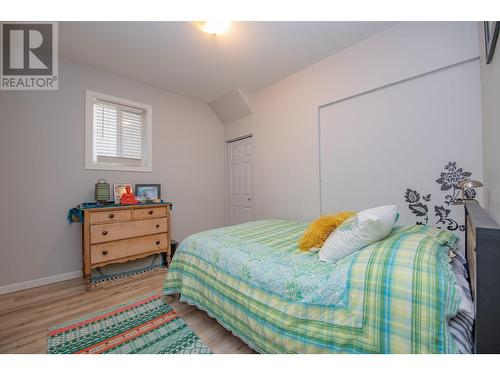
(118, 133)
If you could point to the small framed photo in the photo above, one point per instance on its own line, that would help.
(491, 29)
(119, 189)
(148, 192)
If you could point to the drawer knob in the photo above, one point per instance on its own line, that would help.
(104, 232)
(105, 252)
(157, 225)
(111, 216)
(157, 242)
(151, 212)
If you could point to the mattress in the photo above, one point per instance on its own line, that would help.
(394, 296)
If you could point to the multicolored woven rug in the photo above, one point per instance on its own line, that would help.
(146, 326)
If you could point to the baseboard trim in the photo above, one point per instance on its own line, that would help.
(39, 282)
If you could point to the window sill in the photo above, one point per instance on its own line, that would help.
(117, 167)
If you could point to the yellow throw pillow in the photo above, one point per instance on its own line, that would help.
(319, 230)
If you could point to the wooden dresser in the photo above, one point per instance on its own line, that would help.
(122, 233)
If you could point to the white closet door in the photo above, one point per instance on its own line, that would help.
(240, 181)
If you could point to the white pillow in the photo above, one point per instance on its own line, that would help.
(362, 229)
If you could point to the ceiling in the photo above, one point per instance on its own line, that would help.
(178, 57)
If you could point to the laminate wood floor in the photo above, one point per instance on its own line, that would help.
(26, 316)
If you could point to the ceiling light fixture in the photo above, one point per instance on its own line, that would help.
(213, 27)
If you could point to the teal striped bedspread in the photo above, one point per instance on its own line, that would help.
(394, 296)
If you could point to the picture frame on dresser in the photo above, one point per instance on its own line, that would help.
(119, 189)
(148, 192)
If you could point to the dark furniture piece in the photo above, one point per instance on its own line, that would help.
(173, 246)
(483, 257)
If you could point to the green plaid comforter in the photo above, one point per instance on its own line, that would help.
(393, 296)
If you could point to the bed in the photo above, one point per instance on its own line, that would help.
(394, 296)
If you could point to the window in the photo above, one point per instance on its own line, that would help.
(117, 134)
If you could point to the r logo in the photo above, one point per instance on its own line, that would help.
(27, 49)
(28, 56)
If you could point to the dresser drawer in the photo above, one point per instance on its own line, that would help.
(112, 232)
(148, 213)
(110, 216)
(125, 248)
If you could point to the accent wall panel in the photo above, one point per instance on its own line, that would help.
(406, 144)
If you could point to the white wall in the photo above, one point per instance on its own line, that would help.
(42, 168)
(376, 146)
(239, 128)
(285, 117)
(490, 90)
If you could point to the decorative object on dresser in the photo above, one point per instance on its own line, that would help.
(102, 191)
(148, 192)
(128, 197)
(119, 190)
(123, 233)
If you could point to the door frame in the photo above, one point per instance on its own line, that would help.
(226, 175)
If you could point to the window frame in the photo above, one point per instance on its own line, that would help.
(90, 163)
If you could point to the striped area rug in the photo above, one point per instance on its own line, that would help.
(146, 326)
